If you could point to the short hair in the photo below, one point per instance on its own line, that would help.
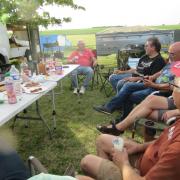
(80, 42)
(155, 42)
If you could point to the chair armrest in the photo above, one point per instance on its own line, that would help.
(155, 92)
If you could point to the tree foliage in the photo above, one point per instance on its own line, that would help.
(26, 11)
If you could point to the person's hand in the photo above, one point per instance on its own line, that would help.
(148, 83)
(94, 63)
(131, 79)
(118, 72)
(151, 78)
(169, 114)
(132, 147)
(120, 157)
(74, 59)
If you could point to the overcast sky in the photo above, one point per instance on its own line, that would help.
(120, 12)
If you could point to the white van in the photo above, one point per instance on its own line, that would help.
(7, 51)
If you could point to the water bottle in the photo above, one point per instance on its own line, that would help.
(11, 94)
(15, 74)
(25, 69)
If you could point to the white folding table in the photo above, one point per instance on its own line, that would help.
(8, 111)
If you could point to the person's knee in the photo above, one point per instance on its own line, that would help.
(101, 141)
(120, 84)
(112, 77)
(151, 99)
(85, 162)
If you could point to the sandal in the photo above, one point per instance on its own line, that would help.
(110, 130)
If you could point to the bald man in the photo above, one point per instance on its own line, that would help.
(158, 81)
(156, 160)
(86, 59)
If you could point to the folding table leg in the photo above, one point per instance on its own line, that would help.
(42, 119)
(54, 109)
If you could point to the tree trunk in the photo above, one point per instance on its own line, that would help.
(33, 42)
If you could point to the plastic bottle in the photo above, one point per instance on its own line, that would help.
(15, 74)
(11, 94)
(25, 69)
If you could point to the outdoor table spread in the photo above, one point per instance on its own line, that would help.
(8, 111)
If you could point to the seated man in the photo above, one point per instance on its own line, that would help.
(154, 107)
(156, 160)
(144, 88)
(85, 58)
(149, 64)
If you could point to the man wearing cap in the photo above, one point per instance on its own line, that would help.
(156, 160)
(86, 59)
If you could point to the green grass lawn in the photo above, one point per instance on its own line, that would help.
(75, 134)
(76, 122)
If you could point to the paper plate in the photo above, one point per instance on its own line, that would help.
(34, 89)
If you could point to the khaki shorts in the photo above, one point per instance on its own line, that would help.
(109, 171)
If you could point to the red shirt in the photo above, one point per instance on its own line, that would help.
(161, 160)
(83, 59)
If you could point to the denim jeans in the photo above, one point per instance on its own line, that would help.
(135, 98)
(114, 78)
(82, 70)
(136, 90)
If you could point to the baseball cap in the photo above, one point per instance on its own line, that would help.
(175, 68)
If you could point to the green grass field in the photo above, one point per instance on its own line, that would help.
(76, 122)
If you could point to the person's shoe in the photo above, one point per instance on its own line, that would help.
(75, 91)
(102, 109)
(109, 130)
(82, 90)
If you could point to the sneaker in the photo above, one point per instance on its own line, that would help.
(75, 91)
(82, 90)
(102, 109)
(109, 130)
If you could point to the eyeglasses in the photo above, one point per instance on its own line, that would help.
(171, 54)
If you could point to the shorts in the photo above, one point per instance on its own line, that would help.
(109, 171)
(171, 106)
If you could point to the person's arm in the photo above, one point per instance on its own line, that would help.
(125, 71)
(120, 158)
(164, 86)
(171, 113)
(154, 76)
(133, 147)
(94, 61)
(72, 58)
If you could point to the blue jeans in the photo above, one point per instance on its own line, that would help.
(114, 78)
(135, 98)
(82, 70)
(138, 90)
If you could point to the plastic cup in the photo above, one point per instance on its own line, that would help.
(118, 143)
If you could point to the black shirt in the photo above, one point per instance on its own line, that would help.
(150, 66)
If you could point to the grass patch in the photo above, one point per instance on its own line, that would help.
(74, 31)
